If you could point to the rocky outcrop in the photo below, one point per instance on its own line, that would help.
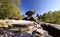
(52, 30)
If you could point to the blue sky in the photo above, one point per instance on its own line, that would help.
(39, 6)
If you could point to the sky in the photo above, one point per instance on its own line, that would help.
(39, 6)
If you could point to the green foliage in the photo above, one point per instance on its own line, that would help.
(52, 17)
(9, 10)
(38, 16)
(23, 16)
(2, 24)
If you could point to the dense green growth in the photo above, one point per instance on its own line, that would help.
(9, 9)
(52, 17)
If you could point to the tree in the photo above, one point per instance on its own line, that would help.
(52, 17)
(9, 10)
(23, 16)
(38, 16)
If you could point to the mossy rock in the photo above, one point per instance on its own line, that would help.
(3, 24)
